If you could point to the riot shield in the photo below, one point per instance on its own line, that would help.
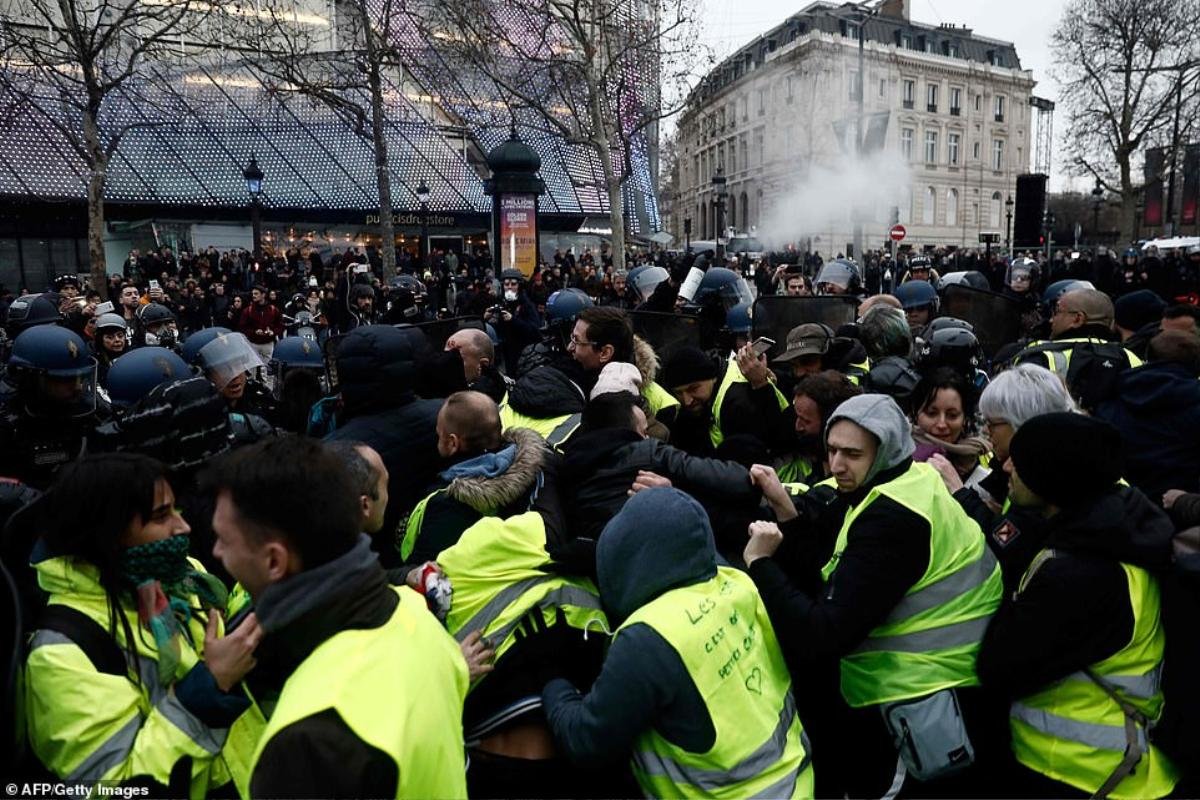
(439, 330)
(775, 315)
(996, 318)
(666, 333)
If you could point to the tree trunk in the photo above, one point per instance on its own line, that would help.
(97, 178)
(383, 175)
(1128, 200)
(612, 181)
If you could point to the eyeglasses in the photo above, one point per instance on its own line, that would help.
(577, 342)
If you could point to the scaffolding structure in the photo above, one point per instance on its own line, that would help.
(1044, 138)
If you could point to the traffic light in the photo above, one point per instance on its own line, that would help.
(1041, 241)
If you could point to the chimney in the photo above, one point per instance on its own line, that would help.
(896, 9)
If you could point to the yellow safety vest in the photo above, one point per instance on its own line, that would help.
(658, 398)
(499, 573)
(733, 375)
(721, 632)
(555, 430)
(400, 687)
(930, 640)
(88, 726)
(1060, 360)
(1075, 732)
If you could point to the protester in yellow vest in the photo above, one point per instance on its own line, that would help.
(694, 689)
(1080, 648)
(373, 695)
(130, 678)
(906, 591)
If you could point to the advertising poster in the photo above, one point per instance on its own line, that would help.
(518, 233)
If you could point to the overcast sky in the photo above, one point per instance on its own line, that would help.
(729, 24)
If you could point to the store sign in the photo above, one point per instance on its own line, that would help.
(518, 232)
(413, 219)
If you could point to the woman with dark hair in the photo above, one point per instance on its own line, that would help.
(233, 315)
(944, 425)
(129, 678)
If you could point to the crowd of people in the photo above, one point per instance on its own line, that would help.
(304, 531)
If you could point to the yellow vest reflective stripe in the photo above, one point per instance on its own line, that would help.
(1075, 732)
(929, 641)
(733, 375)
(721, 632)
(1059, 361)
(498, 569)
(658, 398)
(795, 471)
(555, 430)
(399, 687)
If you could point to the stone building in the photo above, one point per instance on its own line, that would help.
(946, 122)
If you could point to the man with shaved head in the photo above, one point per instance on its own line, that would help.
(1083, 347)
(485, 473)
(479, 362)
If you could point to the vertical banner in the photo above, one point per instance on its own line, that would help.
(518, 233)
(1191, 184)
(1152, 217)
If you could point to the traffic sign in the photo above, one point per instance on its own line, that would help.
(897, 233)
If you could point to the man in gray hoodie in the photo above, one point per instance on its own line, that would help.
(887, 575)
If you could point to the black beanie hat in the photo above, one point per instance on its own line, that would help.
(1066, 458)
(1138, 309)
(688, 365)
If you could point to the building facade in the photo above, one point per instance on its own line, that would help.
(946, 130)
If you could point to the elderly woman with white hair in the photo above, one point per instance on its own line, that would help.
(1014, 397)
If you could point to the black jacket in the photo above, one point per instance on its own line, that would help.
(600, 466)
(546, 392)
(1075, 610)
(744, 411)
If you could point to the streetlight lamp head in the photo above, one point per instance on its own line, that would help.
(254, 177)
(422, 192)
(1009, 203)
(718, 183)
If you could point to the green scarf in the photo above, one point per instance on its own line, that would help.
(165, 581)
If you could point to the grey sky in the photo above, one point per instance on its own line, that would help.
(1026, 23)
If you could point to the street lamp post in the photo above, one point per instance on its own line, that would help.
(254, 185)
(1097, 204)
(1008, 213)
(687, 234)
(720, 192)
(1048, 221)
(423, 199)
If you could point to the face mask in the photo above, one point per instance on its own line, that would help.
(510, 296)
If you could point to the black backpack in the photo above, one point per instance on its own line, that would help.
(1092, 368)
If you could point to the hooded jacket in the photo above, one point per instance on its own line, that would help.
(468, 493)
(1076, 610)
(1157, 411)
(599, 467)
(546, 392)
(377, 370)
(887, 550)
(644, 682)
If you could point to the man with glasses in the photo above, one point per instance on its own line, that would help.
(1082, 347)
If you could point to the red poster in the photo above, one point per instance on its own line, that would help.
(518, 232)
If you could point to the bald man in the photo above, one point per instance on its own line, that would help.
(479, 362)
(487, 473)
(1083, 347)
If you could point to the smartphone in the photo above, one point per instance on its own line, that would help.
(359, 269)
(154, 285)
(104, 308)
(761, 345)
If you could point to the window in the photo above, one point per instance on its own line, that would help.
(952, 207)
(955, 102)
(906, 41)
(733, 155)
(852, 30)
(999, 107)
(882, 89)
(997, 154)
(952, 144)
(906, 143)
(931, 147)
(929, 48)
(721, 157)
(952, 50)
(762, 102)
(994, 211)
(978, 103)
(910, 93)
(906, 201)
(744, 102)
(696, 170)
(929, 212)
(931, 97)
(975, 151)
(759, 146)
(745, 205)
(790, 81)
(997, 59)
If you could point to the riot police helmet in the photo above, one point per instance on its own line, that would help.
(841, 276)
(194, 343)
(29, 311)
(723, 283)
(565, 305)
(917, 294)
(132, 376)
